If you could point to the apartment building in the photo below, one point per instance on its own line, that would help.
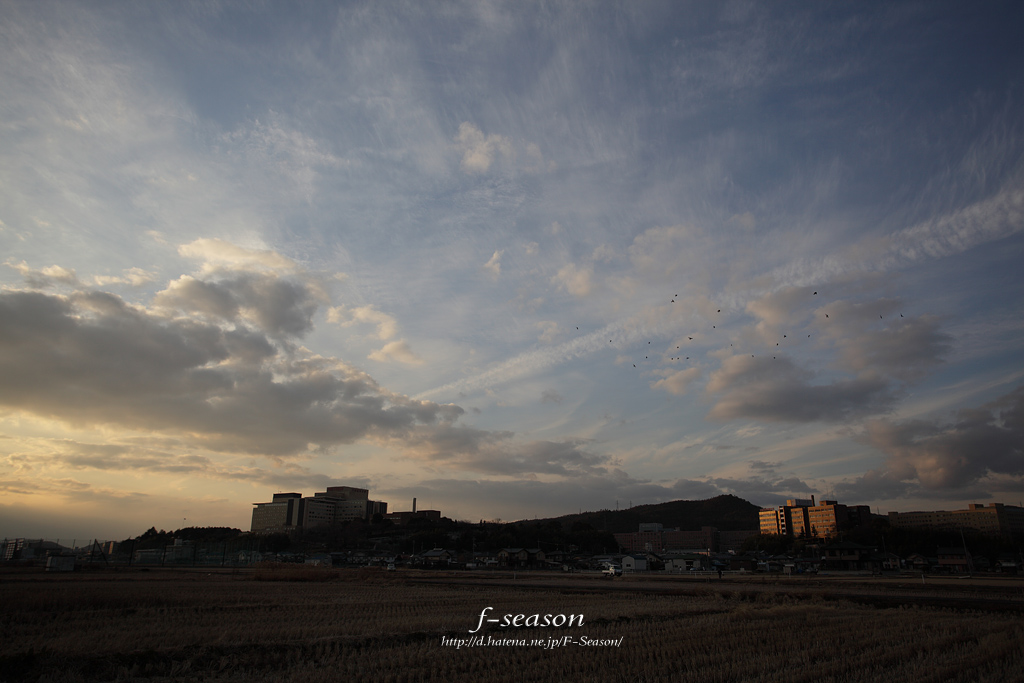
(802, 518)
(994, 519)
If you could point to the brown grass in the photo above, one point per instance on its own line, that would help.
(282, 571)
(377, 626)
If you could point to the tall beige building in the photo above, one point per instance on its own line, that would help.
(283, 513)
(290, 511)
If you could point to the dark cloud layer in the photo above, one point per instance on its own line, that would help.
(132, 457)
(498, 453)
(91, 358)
(873, 352)
(776, 390)
(876, 351)
(278, 306)
(983, 447)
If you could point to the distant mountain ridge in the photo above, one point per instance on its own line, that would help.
(725, 512)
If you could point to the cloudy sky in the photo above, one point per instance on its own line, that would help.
(514, 259)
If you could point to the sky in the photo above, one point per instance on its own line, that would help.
(513, 259)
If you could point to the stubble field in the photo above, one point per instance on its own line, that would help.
(287, 625)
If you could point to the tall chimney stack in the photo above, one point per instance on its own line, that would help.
(414, 505)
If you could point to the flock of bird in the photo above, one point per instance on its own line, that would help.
(676, 358)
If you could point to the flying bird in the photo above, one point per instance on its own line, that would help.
(815, 293)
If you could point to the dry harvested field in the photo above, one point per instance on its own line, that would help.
(299, 624)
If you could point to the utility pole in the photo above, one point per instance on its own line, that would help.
(967, 555)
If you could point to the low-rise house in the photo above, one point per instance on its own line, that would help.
(1008, 564)
(436, 557)
(556, 556)
(891, 562)
(954, 560)
(745, 562)
(850, 556)
(684, 562)
(917, 562)
(520, 557)
(634, 563)
(487, 559)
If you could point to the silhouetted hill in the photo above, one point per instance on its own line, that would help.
(727, 513)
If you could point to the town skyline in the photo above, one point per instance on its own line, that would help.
(510, 260)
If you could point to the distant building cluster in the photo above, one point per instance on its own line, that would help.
(803, 518)
(995, 519)
(403, 518)
(290, 511)
(653, 537)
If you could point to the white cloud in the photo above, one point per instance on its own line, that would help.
(659, 250)
(479, 151)
(396, 351)
(603, 253)
(535, 160)
(677, 382)
(387, 326)
(549, 331)
(283, 152)
(218, 252)
(575, 280)
(745, 220)
(990, 219)
(494, 264)
(136, 277)
(45, 277)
